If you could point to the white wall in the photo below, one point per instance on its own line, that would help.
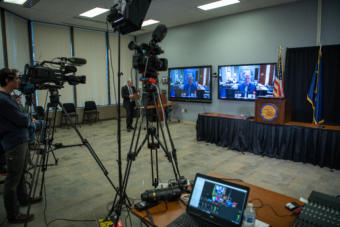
(50, 42)
(91, 45)
(17, 41)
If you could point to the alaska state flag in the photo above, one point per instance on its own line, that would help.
(314, 95)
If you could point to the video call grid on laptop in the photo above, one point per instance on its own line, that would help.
(215, 202)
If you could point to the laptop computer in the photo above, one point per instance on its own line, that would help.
(214, 202)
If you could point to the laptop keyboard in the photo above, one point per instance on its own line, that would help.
(186, 220)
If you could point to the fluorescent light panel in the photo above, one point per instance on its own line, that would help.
(94, 12)
(19, 2)
(217, 4)
(149, 22)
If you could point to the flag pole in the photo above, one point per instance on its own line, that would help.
(280, 53)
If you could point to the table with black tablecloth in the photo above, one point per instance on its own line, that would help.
(296, 141)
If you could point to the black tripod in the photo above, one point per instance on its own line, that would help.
(150, 113)
(43, 154)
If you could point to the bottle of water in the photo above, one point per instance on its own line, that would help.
(249, 216)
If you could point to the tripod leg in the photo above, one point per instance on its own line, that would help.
(34, 182)
(44, 169)
(163, 146)
(174, 151)
(55, 158)
(89, 147)
(117, 205)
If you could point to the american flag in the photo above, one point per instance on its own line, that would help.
(278, 83)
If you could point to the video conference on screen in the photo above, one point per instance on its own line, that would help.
(246, 81)
(190, 83)
(221, 201)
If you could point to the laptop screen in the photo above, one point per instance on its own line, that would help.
(217, 200)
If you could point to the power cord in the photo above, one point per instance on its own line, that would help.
(70, 220)
(158, 212)
(58, 219)
(262, 205)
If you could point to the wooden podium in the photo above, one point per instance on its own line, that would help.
(272, 110)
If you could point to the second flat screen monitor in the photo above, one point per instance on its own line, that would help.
(246, 82)
(190, 84)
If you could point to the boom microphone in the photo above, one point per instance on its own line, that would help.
(159, 33)
(77, 61)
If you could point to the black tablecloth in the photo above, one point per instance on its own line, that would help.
(301, 144)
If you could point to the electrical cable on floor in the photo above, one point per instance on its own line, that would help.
(58, 219)
(70, 220)
(131, 199)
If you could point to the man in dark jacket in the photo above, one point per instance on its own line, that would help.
(14, 125)
(128, 92)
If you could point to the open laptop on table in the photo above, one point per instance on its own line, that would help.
(214, 202)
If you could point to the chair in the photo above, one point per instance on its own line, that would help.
(71, 110)
(90, 110)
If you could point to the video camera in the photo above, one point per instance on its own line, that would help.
(40, 77)
(146, 60)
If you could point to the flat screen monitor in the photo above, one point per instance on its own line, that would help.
(191, 84)
(246, 82)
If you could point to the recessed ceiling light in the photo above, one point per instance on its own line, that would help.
(19, 2)
(218, 4)
(149, 22)
(94, 12)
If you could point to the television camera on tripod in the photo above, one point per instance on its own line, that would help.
(147, 62)
(51, 76)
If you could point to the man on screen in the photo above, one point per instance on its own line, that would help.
(247, 88)
(190, 88)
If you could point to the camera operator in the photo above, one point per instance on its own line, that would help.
(37, 125)
(14, 134)
(129, 93)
